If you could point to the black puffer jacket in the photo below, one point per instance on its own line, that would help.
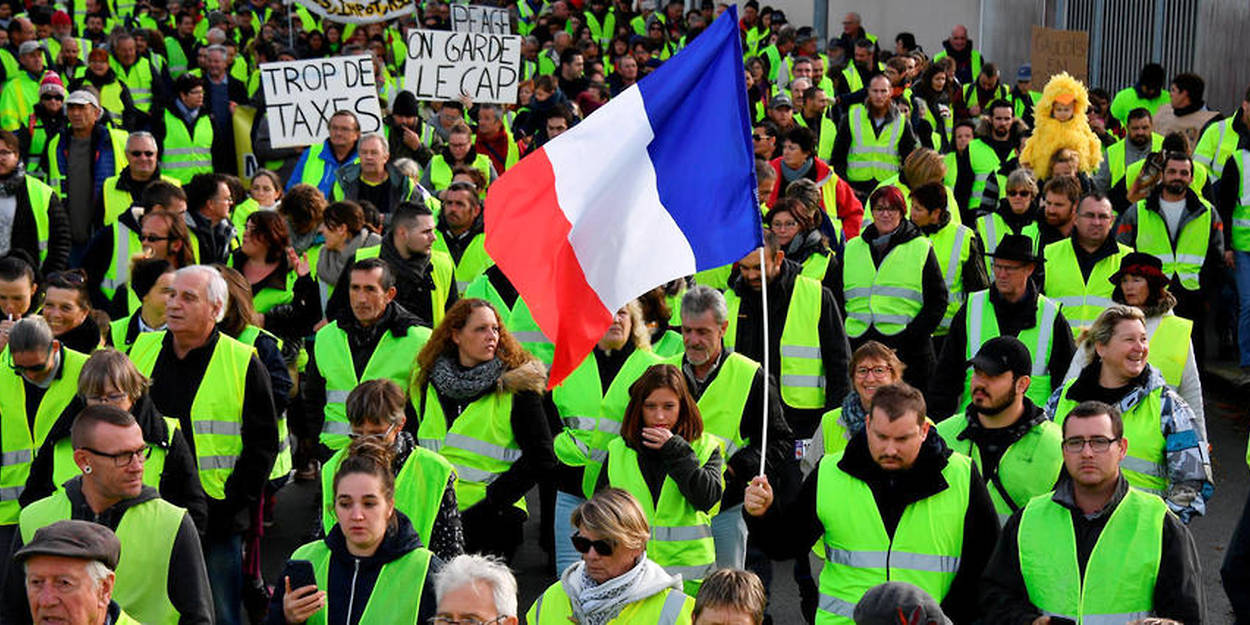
(350, 580)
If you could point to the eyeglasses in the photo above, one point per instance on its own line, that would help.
(379, 437)
(786, 225)
(1019, 193)
(152, 238)
(138, 153)
(583, 544)
(864, 372)
(1098, 444)
(111, 398)
(445, 620)
(122, 458)
(20, 369)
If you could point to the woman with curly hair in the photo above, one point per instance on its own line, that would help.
(478, 394)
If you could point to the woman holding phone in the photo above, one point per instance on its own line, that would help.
(369, 565)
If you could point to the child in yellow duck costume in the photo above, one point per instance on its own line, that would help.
(1061, 123)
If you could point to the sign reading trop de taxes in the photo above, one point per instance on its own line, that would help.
(300, 97)
(445, 65)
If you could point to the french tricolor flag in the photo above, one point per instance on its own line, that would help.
(657, 184)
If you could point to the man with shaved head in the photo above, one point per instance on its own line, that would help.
(959, 47)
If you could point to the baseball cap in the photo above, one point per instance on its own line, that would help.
(779, 101)
(1025, 73)
(883, 605)
(74, 539)
(1001, 354)
(29, 47)
(82, 96)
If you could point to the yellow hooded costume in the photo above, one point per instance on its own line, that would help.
(1051, 135)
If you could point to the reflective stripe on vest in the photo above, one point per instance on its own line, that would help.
(40, 196)
(981, 325)
(993, 228)
(1082, 300)
(183, 155)
(125, 244)
(887, 297)
(802, 368)
(147, 532)
(441, 170)
(953, 246)
(393, 359)
(19, 441)
(681, 536)
(985, 163)
(1146, 464)
(480, 444)
(1128, 550)
(139, 80)
(1241, 213)
(924, 550)
(872, 156)
(1216, 145)
(398, 586)
(1185, 261)
(217, 410)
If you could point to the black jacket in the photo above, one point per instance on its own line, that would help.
(362, 341)
(216, 240)
(842, 146)
(186, 582)
(789, 528)
(175, 383)
(835, 351)
(948, 382)
(350, 580)
(224, 159)
(398, 186)
(700, 485)
(180, 481)
(25, 235)
(745, 464)
(98, 258)
(414, 287)
(914, 344)
(1178, 592)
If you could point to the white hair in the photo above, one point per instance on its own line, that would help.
(376, 136)
(468, 568)
(215, 288)
(95, 569)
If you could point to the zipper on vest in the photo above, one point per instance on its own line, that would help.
(351, 601)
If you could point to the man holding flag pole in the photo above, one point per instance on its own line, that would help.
(688, 120)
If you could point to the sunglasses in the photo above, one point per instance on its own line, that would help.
(138, 153)
(152, 238)
(583, 544)
(49, 96)
(759, 137)
(1015, 193)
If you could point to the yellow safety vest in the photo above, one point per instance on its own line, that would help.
(981, 325)
(872, 156)
(887, 297)
(480, 444)
(1082, 300)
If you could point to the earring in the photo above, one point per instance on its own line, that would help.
(87, 469)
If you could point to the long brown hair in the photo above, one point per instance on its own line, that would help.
(509, 349)
(240, 312)
(689, 422)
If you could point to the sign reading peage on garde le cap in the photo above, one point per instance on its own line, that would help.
(444, 65)
(361, 11)
(301, 96)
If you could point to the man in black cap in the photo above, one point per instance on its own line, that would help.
(781, 112)
(1011, 306)
(404, 126)
(69, 574)
(883, 604)
(1006, 434)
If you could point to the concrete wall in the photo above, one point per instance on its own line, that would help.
(1007, 27)
(930, 21)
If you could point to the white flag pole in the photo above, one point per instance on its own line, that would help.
(767, 342)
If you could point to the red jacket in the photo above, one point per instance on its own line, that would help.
(850, 210)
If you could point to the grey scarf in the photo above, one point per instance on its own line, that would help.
(789, 174)
(596, 604)
(852, 413)
(459, 384)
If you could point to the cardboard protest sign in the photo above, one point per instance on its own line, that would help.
(300, 97)
(444, 65)
(472, 18)
(361, 11)
(1053, 51)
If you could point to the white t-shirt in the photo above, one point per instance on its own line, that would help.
(1172, 212)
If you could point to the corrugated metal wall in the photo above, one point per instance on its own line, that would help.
(1127, 34)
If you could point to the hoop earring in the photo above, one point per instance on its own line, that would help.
(87, 469)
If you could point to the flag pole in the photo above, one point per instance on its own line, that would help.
(767, 342)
